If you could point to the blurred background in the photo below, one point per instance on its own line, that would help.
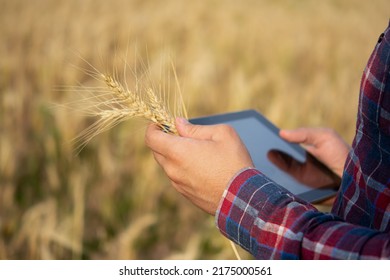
(298, 62)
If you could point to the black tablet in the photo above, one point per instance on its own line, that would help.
(285, 163)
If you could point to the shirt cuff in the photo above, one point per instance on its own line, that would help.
(229, 195)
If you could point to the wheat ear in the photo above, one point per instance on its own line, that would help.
(116, 103)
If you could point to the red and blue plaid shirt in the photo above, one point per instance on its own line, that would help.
(271, 223)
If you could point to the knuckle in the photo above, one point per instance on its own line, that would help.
(227, 130)
(147, 140)
(156, 158)
(224, 132)
(149, 136)
(172, 172)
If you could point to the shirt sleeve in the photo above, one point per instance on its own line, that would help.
(272, 223)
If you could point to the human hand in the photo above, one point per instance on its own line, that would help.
(323, 143)
(201, 162)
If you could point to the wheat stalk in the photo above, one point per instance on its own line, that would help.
(115, 103)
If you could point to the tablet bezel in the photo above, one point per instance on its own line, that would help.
(313, 195)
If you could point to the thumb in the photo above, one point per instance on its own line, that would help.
(186, 129)
(300, 136)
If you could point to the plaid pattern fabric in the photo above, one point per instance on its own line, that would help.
(364, 197)
(271, 223)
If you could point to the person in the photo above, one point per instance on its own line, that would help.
(211, 167)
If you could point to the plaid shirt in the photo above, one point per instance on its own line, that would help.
(271, 223)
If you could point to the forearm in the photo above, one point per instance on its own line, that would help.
(271, 223)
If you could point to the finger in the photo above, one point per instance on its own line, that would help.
(305, 136)
(161, 160)
(159, 141)
(167, 166)
(201, 132)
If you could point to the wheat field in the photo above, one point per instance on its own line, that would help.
(298, 62)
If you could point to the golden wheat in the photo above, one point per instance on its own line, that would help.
(134, 104)
(116, 103)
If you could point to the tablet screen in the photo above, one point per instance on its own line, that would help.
(263, 143)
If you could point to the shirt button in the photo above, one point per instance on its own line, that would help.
(381, 37)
